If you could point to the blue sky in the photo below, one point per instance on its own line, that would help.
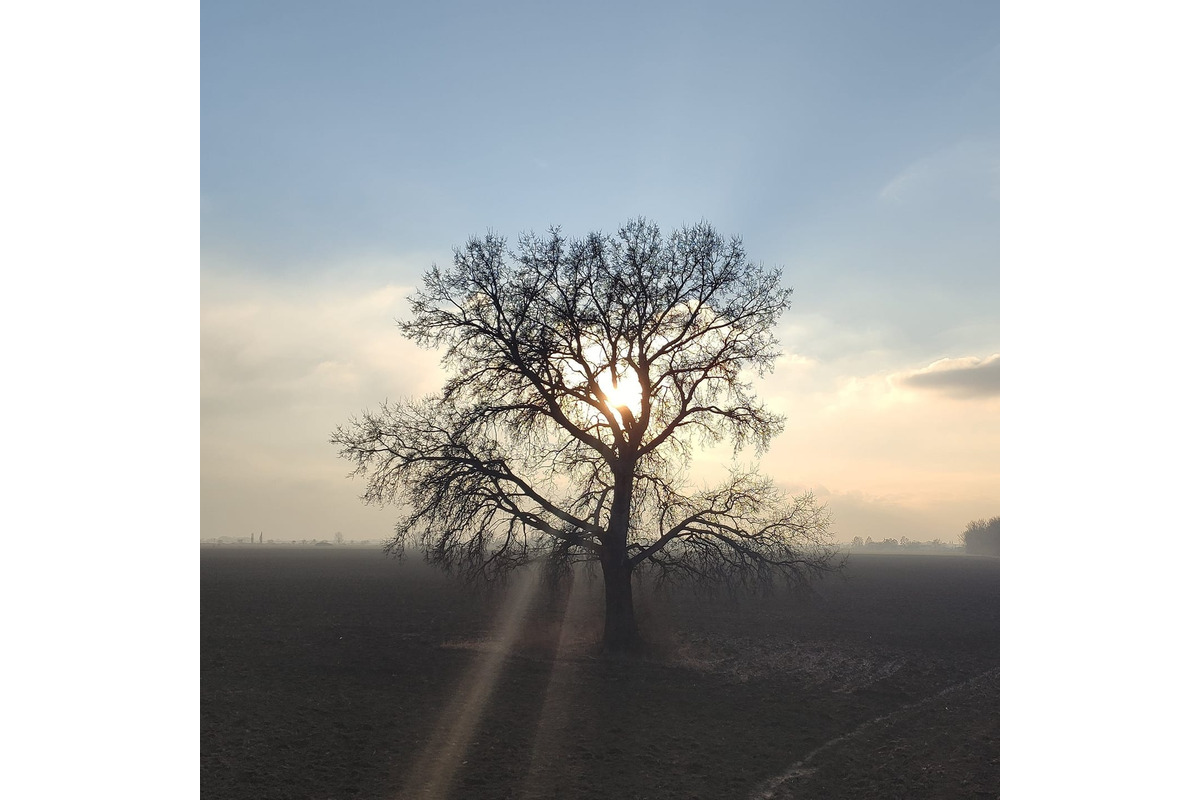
(346, 147)
(361, 127)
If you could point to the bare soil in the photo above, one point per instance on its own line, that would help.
(340, 673)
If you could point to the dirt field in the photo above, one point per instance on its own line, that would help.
(339, 673)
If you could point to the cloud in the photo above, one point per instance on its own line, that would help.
(794, 361)
(912, 176)
(965, 168)
(957, 377)
(266, 345)
(282, 365)
(922, 458)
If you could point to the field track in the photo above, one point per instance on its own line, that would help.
(802, 768)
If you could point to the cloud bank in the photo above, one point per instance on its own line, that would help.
(282, 365)
(958, 377)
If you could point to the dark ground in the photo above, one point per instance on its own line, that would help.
(339, 673)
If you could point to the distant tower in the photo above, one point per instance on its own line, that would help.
(260, 537)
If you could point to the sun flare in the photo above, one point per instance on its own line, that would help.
(623, 392)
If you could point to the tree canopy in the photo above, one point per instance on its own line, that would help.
(582, 375)
(982, 537)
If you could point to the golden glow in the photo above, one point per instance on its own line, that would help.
(619, 387)
(626, 391)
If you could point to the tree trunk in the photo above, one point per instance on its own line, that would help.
(620, 626)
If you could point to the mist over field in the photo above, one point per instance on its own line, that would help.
(339, 671)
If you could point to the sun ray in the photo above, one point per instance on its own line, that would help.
(554, 721)
(431, 778)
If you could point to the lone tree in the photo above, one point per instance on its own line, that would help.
(583, 374)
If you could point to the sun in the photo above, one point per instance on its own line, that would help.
(626, 391)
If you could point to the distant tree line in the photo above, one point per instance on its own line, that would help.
(982, 537)
(338, 539)
(891, 545)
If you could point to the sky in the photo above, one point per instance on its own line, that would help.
(346, 148)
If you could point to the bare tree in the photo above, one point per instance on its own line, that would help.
(982, 537)
(582, 376)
